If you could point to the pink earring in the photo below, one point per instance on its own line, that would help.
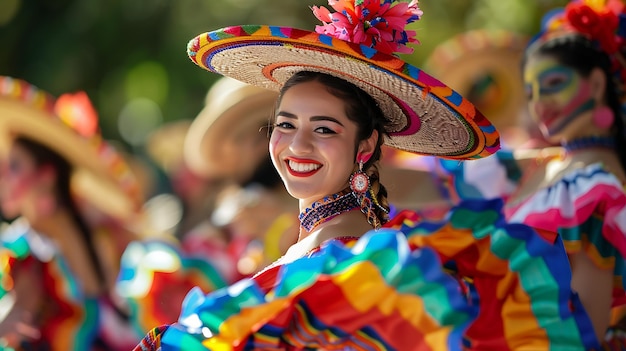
(603, 117)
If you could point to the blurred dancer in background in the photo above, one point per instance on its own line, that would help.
(58, 267)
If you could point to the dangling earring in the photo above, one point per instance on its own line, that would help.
(359, 182)
(360, 186)
(603, 117)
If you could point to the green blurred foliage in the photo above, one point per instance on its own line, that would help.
(123, 51)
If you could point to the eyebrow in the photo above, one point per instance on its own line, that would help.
(313, 118)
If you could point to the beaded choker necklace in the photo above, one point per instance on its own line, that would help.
(588, 143)
(327, 208)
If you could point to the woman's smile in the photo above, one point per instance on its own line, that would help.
(302, 167)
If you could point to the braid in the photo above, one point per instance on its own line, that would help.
(379, 194)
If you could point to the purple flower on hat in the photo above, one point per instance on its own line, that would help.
(374, 23)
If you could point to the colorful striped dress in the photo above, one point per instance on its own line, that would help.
(470, 282)
(586, 207)
(68, 319)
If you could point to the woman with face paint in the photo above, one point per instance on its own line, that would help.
(574, 73)
(574, 76)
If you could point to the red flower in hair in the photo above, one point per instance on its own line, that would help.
(374, 23)
(76, 111)
(598, 24)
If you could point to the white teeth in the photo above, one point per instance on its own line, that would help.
(303, 167)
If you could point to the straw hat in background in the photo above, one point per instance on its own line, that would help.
(69, 126)
(228, 138)
(485, 67)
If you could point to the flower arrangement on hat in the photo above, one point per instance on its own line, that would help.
(377, 25)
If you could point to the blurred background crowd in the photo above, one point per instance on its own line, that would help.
(158, 112)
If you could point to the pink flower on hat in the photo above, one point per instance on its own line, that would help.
(374, 23)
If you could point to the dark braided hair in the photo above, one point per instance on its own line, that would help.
(362, 109)
(44, 156)
(580, 53)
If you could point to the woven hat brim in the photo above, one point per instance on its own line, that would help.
(91, 180)
(426, 116)
(470, 59)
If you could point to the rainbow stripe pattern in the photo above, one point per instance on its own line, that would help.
(470, 282)
(523, 277)
(378, 295)
(587, 207)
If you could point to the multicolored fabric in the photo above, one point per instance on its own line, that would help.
(470, 282)
(425, 115)
(69, 320)
(504, 265)
(587, 207)
(152, 340)
(340, 299)
(156, 275)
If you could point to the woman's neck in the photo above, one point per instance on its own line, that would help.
(348, 224)
(54, 225)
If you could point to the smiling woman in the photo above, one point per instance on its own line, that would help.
(358, 278)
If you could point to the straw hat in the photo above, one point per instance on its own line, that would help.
(227, 139)
(69, 126)
(358, 44)
(485, 67)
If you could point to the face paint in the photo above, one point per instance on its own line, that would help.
(19, 175)
(557, 94)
